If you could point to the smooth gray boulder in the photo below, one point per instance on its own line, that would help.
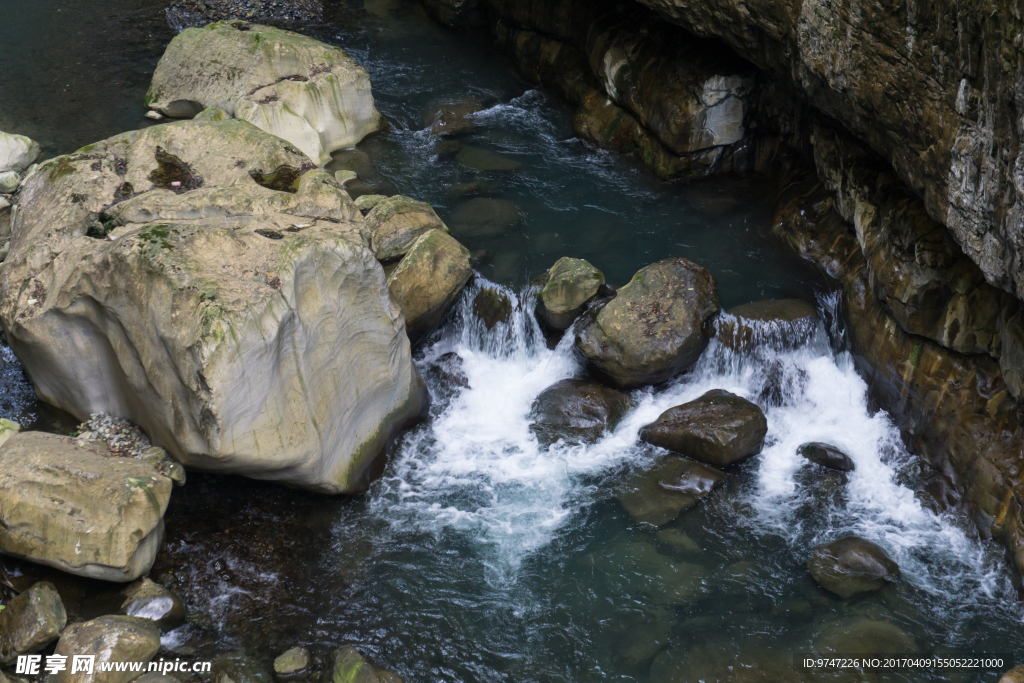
(9, 181)
(306, 92)
(655, 327)
(31, 621)
(77, 508)
(851, 566)
(114, 638)
(205, 281)
(718, 428)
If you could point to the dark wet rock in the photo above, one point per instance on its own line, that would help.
(939, 494)
(827, 455)
(397, 222)
(348, 665)
(149, 600)
(484, 217)
(577, 410)
(31, 621)
(864, 636)
(851, 566)
(492, 306)
(237, 667)
(428, 280)
(655, 327)
(718, 428)
(658, 495)
(678, 542)
(571, 284)
(781, 324)
(453, 117)
(293, 665)
(482, 159)
(635, 635)
(113, 638)
(445, 374)
(448, 148)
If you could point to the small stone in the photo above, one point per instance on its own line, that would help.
(148, 600)
(9, 181)
(31, 621)
(827, 455)
(453, 118)
(4, 203)
(292, 665)
(8, 428)
(155, 115)
(571, 285)
(348, 665)
(851, 566)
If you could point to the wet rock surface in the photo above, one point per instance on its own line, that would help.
(782, 324)
(149, 600)
(718, 428)
(827, 455)
(570, 285)
(31, 621)
(108, 639)
(492, 306)
(454, 117)
(851, 566)
(655, 327)
(577, 411)
(659, 494)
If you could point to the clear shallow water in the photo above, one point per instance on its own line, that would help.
(481, 556)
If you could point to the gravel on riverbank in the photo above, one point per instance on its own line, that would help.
(124, 439)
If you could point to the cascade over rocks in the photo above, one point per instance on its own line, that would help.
(718, 428)
(225, 296)
(492, 306)
(655, 327)
(851, 566)
(78, 508)
(311, 94)
(577, 410)
(785, 323)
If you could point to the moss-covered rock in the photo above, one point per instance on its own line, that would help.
(571, 285)
(348, 665)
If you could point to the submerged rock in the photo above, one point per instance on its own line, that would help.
(492, 306)
(655, 327)
(149, 600)
(311, 94)
(453, 117)
(348, 665)
(782, 324)
(428, 279)
(658, 495)
(238, 667)
(851, 566)
(864, 636)
(218, 286)
(571, 285)
(31, 621)
(293, 665)
(118, 505)
(827, 455)
(108, 639)
(397, 222)
(577, 410)
(17, 152)
(483, 217)
(718, 428)
(481, 159)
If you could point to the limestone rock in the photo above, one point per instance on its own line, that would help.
(485, 217)
(655, 327)
(292, 665)
(718, 428)
(851, 566)
(577, 410)
(8, 428)
(660, 494)
(397, 222)
(782, 324)
(109, 639)
(428, 280)
(827, 455)
(149, 600)
(17, 152)
(224, 295)
(31, 621)
(78, 509)
(365, 203)
(571, 285)
(311, 94)
(492, 306)
(9, 181)
(349, 666)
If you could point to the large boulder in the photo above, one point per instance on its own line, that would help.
(428, 279)
(659, 494)
(204, 281)
(73, 506)
(718, 428)
(311, 94)
(17, 152)
(571, 284)
(395, 223)
(577, 410)
(851, 566)
(108, 639)
(31, 621)
(655, 327)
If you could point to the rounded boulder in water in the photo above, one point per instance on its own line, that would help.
(147, 599)
(293, 665)
(577, 410)
(660, 494)
(571, 284)
(718, 428)
(827, 455)
(656, 326)
(851, 566)
(784, 323)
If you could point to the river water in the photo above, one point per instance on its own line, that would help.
(483, 556)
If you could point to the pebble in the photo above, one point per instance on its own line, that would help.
(122, 437)
(182, 14)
